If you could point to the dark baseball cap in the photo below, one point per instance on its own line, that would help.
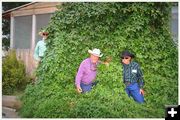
(127, 53)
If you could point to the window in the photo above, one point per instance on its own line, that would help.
(174, 24)
(22, 32)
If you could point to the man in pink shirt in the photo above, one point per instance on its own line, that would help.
(87, 71)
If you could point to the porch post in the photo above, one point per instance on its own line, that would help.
(12, 32)
(33, 32)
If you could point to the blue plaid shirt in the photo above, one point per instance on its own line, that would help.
(133, 74)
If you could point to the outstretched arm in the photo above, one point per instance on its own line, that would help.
(107, 61)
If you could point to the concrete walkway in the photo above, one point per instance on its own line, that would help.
(9, 113)
(10, 106)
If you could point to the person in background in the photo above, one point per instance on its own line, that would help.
(40, 47)
(39, 53)
(132, 77)
(87, 71)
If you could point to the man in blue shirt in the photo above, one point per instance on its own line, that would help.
(132, 77)
(40, 47)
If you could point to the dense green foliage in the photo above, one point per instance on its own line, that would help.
(13, 74)
(112, 27)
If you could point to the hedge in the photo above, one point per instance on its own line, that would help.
(142, 28)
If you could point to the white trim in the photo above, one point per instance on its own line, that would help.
(12, 32)
(33, 31)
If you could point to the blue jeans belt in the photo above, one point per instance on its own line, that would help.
(86, 83)
(127, 83)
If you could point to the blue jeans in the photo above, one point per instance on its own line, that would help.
(133, 91)
(87, 87)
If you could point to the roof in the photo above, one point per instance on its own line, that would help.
(6, 14)
(31, 8)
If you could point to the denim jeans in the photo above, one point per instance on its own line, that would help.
(133, 91)
(87, 87)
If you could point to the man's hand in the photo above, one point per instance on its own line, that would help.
(79, 90)
(106, 63)
(108, 59)
(142, 91)
(39, 61)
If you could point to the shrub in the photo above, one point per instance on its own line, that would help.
(112, 27)
(13, 74)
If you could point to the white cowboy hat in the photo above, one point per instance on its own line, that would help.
(95, 52)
